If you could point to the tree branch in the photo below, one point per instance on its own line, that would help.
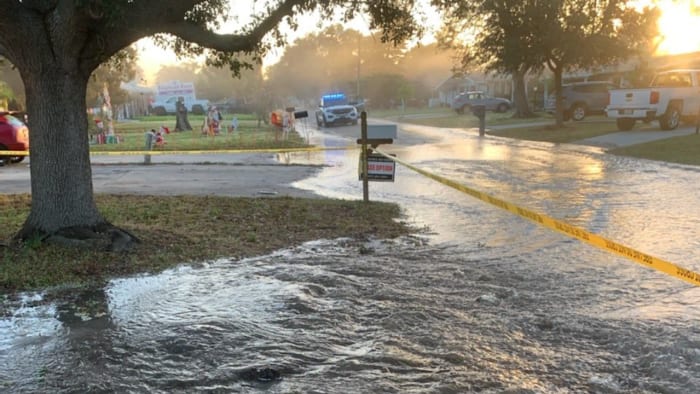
(234, 42)
(41, 6)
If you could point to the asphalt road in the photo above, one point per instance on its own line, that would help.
(227, 179)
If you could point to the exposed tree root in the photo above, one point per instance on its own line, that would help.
(102, 237)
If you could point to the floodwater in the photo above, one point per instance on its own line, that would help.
(477, 301)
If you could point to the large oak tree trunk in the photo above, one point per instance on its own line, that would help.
(63, 206)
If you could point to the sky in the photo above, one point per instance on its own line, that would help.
(679, 24)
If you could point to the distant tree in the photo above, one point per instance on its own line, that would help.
(517, 36)
(216, 83)
(11, 77)
(6, 93)
(333, 59)
(386, 90)
(119, 68)
(57, 44)
(579, 34)
(495, 36)
(428, 66)
(183, 72)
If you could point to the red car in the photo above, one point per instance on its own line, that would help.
(14, 135)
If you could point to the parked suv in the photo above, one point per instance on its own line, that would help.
(464, 101)
(582, 99)
(14, 135)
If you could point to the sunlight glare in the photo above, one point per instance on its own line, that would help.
(678, 25)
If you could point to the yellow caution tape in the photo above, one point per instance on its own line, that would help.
(565, 228)
(196, 152)
(223, 151)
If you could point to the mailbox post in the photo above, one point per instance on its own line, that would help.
(480, 112)
(363, 157)
(373, 136)
(150, 140)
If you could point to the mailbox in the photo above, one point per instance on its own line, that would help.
(381, 132)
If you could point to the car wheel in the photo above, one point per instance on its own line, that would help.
(625, 124)
(9, 159)
(160, 111)
(502, 107)
(671, 119)
(460, 110)
(578, 112)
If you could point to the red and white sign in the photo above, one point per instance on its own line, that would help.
(175, 88)
(379, 168)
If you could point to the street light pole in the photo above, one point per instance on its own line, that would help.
(359, 63)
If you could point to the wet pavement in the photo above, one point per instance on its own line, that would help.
(478, 301)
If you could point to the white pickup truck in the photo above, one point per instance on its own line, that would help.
(673, 96)
(169, 105)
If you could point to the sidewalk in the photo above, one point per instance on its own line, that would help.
(199, 158)
(614, 140)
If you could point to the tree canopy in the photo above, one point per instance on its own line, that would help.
(517, 36)
(361, 65)
(332, 59)
(57, 44)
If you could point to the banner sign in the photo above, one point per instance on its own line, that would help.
(379, 168)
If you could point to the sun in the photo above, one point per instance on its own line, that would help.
(679, 25)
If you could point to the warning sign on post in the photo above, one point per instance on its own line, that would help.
(379, 168)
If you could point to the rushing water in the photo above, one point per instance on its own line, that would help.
(479, 301)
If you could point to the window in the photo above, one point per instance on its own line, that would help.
(673, 80)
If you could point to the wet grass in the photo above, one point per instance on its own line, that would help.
(249, 135)
(683, 150)
(448, 118)
(570, 132)
(185, 229)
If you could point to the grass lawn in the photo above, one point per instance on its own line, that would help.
(182, 229)
(572, 131)
(529, 129)
(448, 118)
(248, 136)
(683, 150)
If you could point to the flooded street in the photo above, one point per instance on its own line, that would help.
(478, 301)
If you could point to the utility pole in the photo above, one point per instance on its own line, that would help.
(359, 64)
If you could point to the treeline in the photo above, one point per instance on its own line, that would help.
(361, 66)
